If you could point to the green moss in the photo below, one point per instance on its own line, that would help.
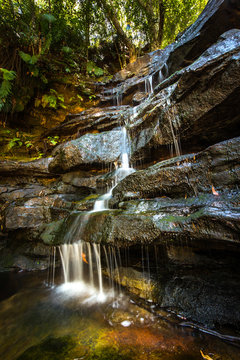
(90, 197)
(109, 352)
(51, 232)
(51, 348)
(176, 218)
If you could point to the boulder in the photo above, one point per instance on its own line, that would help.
(187, 175)
(38, 168)
(90, 149)
(94, 119)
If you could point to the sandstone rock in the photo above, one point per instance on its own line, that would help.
(186, 112)
(81, 179)
(26, 217)
(189, 175)
(94, 119)
(37, 168)
(102, 148)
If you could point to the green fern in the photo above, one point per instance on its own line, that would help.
(52, 100)
(29, 59)
(7, 74)
(6, 88)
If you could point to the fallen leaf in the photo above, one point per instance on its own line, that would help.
(84, 258)
(207, 357)
(214, 191)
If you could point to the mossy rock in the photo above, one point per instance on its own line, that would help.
(51, 232)
(51, 348)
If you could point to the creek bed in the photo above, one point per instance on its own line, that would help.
(42, 323)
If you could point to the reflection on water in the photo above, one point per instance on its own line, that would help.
(66, 323)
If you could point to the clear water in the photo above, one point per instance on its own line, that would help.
(61, 323)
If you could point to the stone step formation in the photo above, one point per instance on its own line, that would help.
(180, 110)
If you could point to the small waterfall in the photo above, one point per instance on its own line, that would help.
(51, 267)
(80, 259)
(176, 138)
(149, 85)
(124, 152)
(117, 98)
(160, 76)
(101, 203)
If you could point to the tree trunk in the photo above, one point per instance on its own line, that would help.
(148, 8)
(108, 9)
(161, 22)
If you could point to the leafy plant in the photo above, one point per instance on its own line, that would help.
(28, 144)
(93, 69)
(53, 100)
(6, 87)
(14, 142)
(91, 97)
(53, 140)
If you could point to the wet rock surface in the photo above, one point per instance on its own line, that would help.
(98, 149)
(182, 112)
(186, 175)
(184, 98)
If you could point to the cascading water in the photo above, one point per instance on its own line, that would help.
(80, 259)
(149, 85)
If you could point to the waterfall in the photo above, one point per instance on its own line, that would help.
(176, 138)
(149, 85)
(80, 259)
(160, 76)
(124, 170)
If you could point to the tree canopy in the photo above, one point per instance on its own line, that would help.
(41, 39)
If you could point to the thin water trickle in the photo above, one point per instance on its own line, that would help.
(160, 76)
(175, 137)
(149, 85)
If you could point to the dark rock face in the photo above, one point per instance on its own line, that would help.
(187, 175)
(179, 113)
(30, 198)
(197, 283)
(33, 168)
(94, 119)
(183, 113)
(186, 95)
(102, 148)
(217, 17)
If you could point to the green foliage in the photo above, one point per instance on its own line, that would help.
(34, 34)
(53, 140)
(31, 60)
(52, 100)
(6, 88)
(67, 50)
(18, 139)
(14, 142)
(94, 70)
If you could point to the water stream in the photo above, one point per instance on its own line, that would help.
(77, 270)
(41, 323)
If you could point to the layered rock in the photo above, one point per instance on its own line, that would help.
(96, 149)
(186, 175)
(183, 112)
